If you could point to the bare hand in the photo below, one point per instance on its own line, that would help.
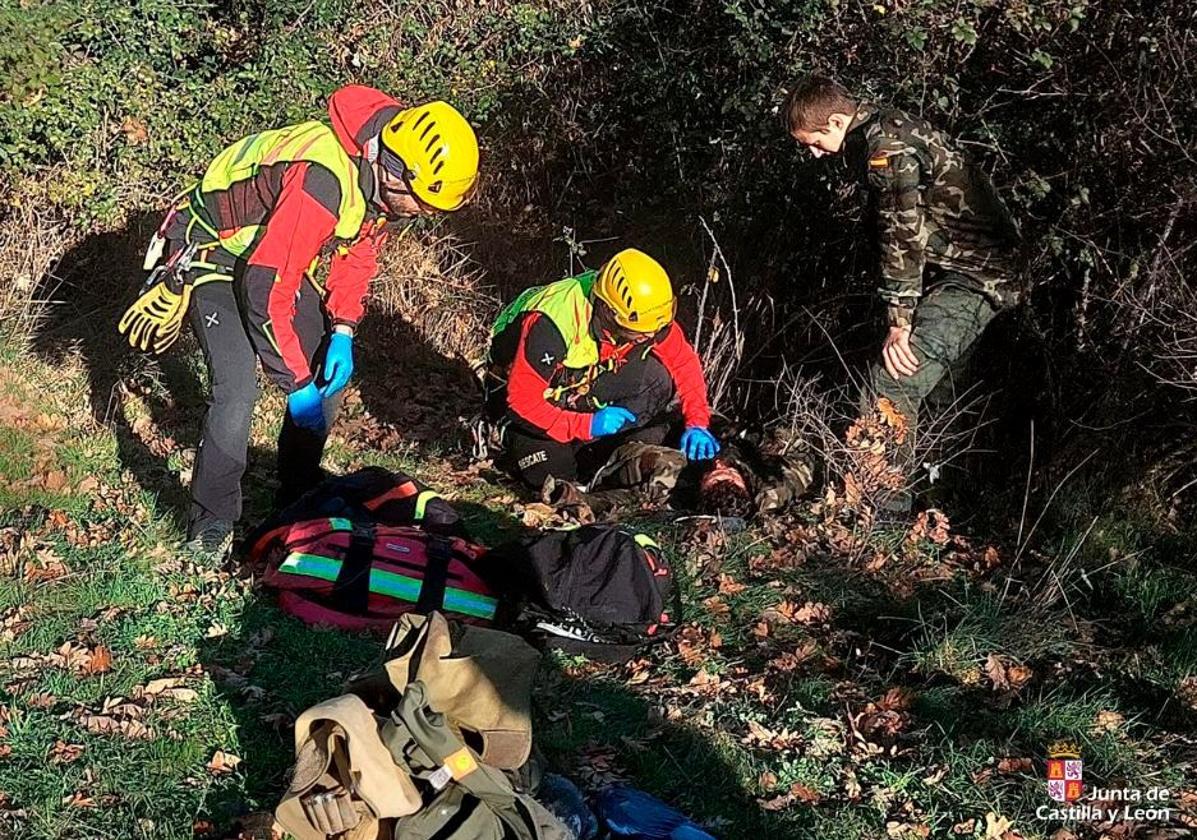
(897, 353)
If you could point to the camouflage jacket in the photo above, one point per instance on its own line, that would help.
(934, 206)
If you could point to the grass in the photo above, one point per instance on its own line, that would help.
(806, 697)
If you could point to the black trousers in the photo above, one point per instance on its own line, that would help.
(218, 319)
(642, 385)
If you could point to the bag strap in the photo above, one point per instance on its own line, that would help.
(436, 575)
(415, 731)
(351, 589)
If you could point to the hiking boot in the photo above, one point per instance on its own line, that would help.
(567, 498)
(212, 541)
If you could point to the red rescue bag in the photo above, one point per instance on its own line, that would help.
(361, 550)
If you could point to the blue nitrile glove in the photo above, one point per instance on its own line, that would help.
(699, 444)
(307, 407)
(609, 420)
(338, 363)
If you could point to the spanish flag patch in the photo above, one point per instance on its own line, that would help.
(879, 162)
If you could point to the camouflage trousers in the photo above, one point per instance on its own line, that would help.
(947, 323)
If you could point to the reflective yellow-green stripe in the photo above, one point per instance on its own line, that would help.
(390, 584)
(422, 502)
(645, 541)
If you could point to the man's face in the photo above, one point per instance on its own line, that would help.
(398, 198)
(827, 140)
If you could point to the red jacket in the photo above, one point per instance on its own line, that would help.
(532, 370)
(298, 202)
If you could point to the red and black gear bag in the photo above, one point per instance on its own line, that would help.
(361, 550)
(597, 589)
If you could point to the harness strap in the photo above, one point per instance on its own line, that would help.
(436, 575)
(351, 589)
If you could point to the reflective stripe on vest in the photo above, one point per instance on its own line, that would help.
(313, 142)
(567, 304)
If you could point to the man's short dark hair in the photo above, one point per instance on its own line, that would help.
(811, 102)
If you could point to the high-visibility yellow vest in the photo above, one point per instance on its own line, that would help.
(567, 304)
(313, 142)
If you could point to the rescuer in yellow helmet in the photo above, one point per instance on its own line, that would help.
(236, 255)
(586, 363)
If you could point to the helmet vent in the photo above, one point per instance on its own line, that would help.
(423, 116)
(427, 129)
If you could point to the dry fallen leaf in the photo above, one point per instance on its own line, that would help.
(892, 417)
(64, 753)
(802, 793)
(88, 485)
(1019, 675)
(41, 700)
(996, 826)
(897, 699)
(108, 725)
(813, 613)
(100, 662)
(996, 672)
(78, 799)
(537, 514)
(730, 586)
(55, 481)
(1011, 766)
(223, 763)
(135, 131)
(716, 606)
(1108, 720)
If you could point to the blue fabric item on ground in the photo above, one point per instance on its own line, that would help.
(563, 799)
(635, 815)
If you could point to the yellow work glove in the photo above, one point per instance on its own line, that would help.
(155, 319)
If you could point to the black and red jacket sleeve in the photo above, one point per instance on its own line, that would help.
(679, 358)
(537, 354)
(303, 218)
(350, 271)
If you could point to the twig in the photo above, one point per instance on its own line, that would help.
(1026, 495)
(1048, 504)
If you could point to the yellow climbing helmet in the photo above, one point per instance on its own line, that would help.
(439, 152)
(638, 291)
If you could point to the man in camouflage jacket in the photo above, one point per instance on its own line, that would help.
(948, 244)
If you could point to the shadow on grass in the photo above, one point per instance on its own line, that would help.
(89, 289)
(422, 394)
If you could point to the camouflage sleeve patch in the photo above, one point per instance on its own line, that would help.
(895, 176)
